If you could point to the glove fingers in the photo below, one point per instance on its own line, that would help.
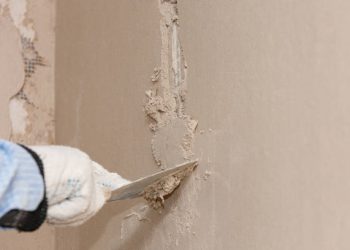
(67, 210)
(77, 217)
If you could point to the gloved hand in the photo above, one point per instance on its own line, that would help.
(76, 186)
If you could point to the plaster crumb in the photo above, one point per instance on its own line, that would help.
(155, 106)
(210, 130)
(156, 193)
(138, 216)
(156, 74)
(143, 208)
(202, 131)
(187, 141)
(206, 175)
(170, 1)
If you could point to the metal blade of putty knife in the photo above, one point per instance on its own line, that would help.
(135, 188)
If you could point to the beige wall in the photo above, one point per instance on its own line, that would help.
(275, 75)
(266, 81)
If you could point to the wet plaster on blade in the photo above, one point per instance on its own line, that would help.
(30, 115)
(156, 193)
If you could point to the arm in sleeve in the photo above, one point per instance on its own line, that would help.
(23, 204)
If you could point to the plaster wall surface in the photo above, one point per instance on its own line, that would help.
(105, 54)
(268, 84)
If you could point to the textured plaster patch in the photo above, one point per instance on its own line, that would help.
(18, 11)
(30, 114)
(172, 128)
(173, 133)
(156, 74)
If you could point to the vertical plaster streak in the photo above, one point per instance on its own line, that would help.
(173, 136)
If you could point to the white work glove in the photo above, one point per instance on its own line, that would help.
(76, 186)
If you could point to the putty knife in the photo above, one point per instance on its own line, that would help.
(135, 188)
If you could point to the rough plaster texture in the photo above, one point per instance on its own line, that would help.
(268, 83)
(27, 90)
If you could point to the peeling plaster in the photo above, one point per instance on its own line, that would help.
(31, 121)
(18, 11)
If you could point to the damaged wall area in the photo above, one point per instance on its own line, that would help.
(32, 97)
(11, 61)
(27, 89)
